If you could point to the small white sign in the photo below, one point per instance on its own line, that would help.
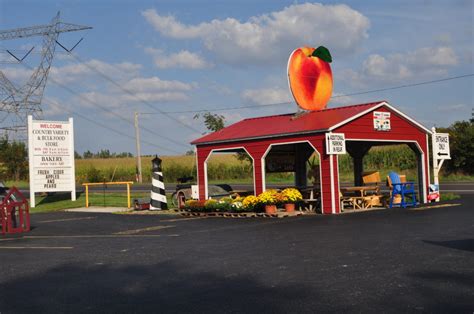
(382, 121)
(195, 192)
(51, 157)
(335, 143)
(441, 146)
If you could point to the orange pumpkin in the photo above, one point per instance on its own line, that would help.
(310, 77)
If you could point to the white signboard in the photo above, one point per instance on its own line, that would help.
(51, 157)
(441, 146)
(335, 143)
(381, 121)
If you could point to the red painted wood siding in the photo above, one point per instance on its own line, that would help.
(360, 128)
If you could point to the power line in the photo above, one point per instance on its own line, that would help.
(112, 129)
(336, 96)
(405, 85)
(132, 94)
(106, 110)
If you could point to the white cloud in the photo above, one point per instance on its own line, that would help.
(183, 59)
(422, 62)
(17, 75)
(77, 72)
(266, 96)
(147, 84)
(269, 38)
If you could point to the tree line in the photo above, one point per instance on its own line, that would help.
(14, 154)
(103, 153)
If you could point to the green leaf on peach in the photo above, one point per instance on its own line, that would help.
(322, 53)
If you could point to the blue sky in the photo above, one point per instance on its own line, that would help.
(174, 56)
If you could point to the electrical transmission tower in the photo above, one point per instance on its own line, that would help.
(16, 103)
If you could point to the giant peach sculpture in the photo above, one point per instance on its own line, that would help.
(310, 77)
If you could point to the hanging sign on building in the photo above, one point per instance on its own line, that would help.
(51, 157)
(381, 121)
(335, 143)
(441, 146)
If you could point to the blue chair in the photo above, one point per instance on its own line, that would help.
(403, 189)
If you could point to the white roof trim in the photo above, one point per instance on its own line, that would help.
(383, 103)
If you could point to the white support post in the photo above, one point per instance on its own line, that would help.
(73, 161)
(30, 159)
(440, 143)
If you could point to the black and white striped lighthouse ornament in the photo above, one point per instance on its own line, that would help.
(158, 195)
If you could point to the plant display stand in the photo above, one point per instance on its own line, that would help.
(15, 213)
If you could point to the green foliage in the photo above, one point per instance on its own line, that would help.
(322, 53)
(103, 153)
(13, 159)
(461, 142)
(213, 121)
(399, 157)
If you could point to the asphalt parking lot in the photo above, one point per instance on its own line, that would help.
(395, 260)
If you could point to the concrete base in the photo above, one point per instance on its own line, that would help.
(98, 210)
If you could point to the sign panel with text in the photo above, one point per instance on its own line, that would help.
(441, 146)
(335, 143)
(51, 157)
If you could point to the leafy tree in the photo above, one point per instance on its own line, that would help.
(88, 154)
(14, 157)
(77, 155)
(104, 153)
(190, 152)
(461, 142)
(213, 121)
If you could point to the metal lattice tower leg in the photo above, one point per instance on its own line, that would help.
(19, 102)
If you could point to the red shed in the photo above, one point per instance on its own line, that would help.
(364, 126)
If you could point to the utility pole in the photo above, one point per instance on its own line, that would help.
(139, 156)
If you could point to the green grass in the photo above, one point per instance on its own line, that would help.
(455, 177)
(61, 201)
(449, 196)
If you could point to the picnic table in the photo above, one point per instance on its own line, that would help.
(362, 200)
(311, 197)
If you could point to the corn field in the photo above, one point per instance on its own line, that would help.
(223, 167)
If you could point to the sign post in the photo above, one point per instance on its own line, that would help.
(441, 152)
(51, 157)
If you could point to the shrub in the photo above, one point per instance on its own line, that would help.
(237, 206)
(195, 205)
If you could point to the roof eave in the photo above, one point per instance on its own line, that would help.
(258, 137)
(383, 103)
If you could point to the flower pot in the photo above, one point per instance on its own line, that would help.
(270, 209)
(289, 207)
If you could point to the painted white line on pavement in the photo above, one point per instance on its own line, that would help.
(36, 247)
(66, 219)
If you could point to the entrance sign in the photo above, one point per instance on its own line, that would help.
(381, 121)
(335, 143)
(441, 152)
(51, 157)
(441, 146)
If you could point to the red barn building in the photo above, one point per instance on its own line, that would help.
(299, 135)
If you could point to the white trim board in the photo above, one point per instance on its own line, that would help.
(423, 164)
(293, 142)
(383, 103)
(223, 150)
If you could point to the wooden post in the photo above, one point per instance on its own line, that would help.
(128, 194)
(87, 195)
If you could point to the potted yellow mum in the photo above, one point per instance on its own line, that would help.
(269, 199)
(291, 196)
